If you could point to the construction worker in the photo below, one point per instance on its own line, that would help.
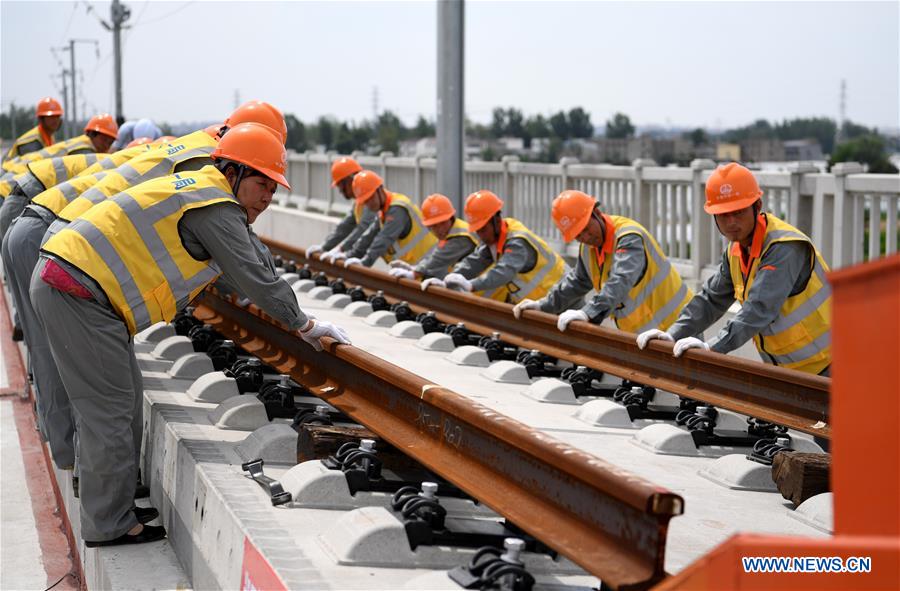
(455, 242)
(399, 233)
(132, 130)
(512, 263)
(773, 270)
(348, 231)
(635, 283)
(135, 260)
(49, 115)
(21, 249)
(98, 136)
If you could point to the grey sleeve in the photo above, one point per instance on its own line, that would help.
(365, 239)
(784, 269)
(517, 255)
(193, 164)
(368, 219)
(475, 264)
(340, 232)
(443, 257)
(569, 291)
(629, 264)
(707, 306)
(222, 232)
(396, 224)
(32, 146)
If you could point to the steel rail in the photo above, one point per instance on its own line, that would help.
(783, 396)
(610, 522)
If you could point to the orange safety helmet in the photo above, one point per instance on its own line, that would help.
(256, 146)
(342, 168)
(571, 212)
(481, 206)
(47, 107)
(103, 123)
(436, 209)
(214, 129)
(259, 112)
(163, 139)
(365, 183)
(731, 187)
(139, 141)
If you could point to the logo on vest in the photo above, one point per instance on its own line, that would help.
(174, 149)
(181, 183)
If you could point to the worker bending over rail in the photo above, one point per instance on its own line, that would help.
(635, 283)
(511, 264)
(455, 242)
(773, 270)
(49, 115)
(399, 232)
(354, 224)
(135, 260)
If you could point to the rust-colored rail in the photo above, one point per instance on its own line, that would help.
(783, 396)
(610, 522)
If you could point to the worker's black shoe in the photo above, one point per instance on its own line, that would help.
(150, 533)
(142, 491)
(17, 333)
(145, 514)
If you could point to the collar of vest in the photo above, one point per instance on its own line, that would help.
(759, 237)
(609, 239)
(46, 137)
(387, 203)
(501, 240)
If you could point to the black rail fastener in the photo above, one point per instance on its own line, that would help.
(247, 373)
(357, 294)
(498, 349)
(278, 260)
(320, 279)
(461, 335)
(378, 301)
(402, 311)
(320, 415)
(184, 321)
(304, 272)
(278, 397)
(290, 266)
(337, 286)
(270, 485)
(202, 336)
(430, 323)
(223, 354)
(495, 569)
(539, 364)
(764, 450)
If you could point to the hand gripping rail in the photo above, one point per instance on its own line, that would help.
(782, 396)
(610, 522)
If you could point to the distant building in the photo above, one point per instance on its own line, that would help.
(728, 152)
(763, 150)
(803, 150)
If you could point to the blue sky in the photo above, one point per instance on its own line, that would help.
(713, 64)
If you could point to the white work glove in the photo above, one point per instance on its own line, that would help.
(352, 261)
(432, 281)
(525, 305)
(313, 249)
(682, 345)
(458, 282)
(402, 273)
(333, 256)
(654, 333)
(401, 264)
(569, 316)
(316, 329)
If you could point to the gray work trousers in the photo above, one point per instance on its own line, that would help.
(21, 247)
(10, 210)
(95, 356)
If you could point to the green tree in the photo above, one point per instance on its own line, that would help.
(580, 123)
(759, 129)
(423, 128)
(619, 127)
(296, 139)
(698, 137)
(821, 129)
(20, 118)
(324, 133)
(343, 141)
(868, 149)
(515, 123)
(389, 130)
(498, 123)
(559, 124)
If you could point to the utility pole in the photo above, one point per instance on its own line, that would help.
(72, 73)
(450, 99)
(67, 116)
(118, 13)
(842, 115)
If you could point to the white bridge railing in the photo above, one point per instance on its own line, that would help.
(852, 217)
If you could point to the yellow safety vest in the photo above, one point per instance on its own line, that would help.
(81, 143)
(42, 174)
(57, 198)
(153, 164)
(358, 210)
(460, 229)
(418, 242)
(536, 282)
(660, 294)
(800, 337)
(32, 135)
(131, 247)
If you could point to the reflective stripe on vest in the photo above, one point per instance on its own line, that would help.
(547, 271)
(657, 298)
(151, 165)
(800, 336)
(32, 135)
(418, 242)
(53, 171)
(81, 142)
(57, 198)
(131, 247)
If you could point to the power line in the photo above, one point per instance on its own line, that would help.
(167, 15)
